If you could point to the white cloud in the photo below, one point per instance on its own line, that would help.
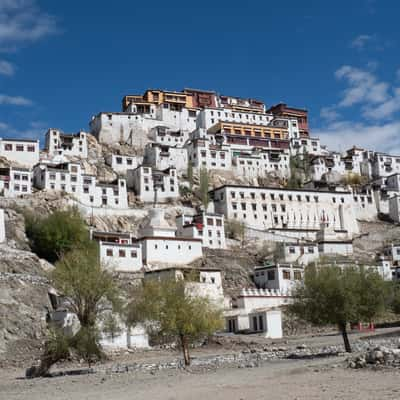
(346, 134)
(23, 21)
(34, 130)
(360, 41)
(329, 113)
(15, 100)
(6, 68)
(363, 87)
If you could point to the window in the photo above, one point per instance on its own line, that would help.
(25, 177)
(292, 250)
(109, 252)
(129, 161)
(31, 149)
(8, 147)
(286, 275)
(297, 275)
(121, 253)
(19, 147)
(24, 188)
(311, 250)
(17, 177)
(271, 275)
(133, 254)
(119, 160)
(210, 221)
(218, 222)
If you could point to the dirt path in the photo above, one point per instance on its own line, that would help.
(300, 380)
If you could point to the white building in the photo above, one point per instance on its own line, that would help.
(257, 163)
(121, 257)
(70, 178)
(160, 245)
(307, 145)
(25, 152)
(333, 242)
(207, 227)
(163, 135)
(321, 165)
(285, 209)
(15, 181)
(162, 157)
(278, 277)
(393, 252)
(203, 153)
(121, 163)
(300, 252)
(66, 144)
(199, 282)
(151, 185)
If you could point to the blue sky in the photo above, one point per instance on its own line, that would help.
(63, 61)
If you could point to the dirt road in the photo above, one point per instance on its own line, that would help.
(284, 379)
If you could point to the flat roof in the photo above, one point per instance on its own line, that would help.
(20, 140)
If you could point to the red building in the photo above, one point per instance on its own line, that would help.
(282, 110)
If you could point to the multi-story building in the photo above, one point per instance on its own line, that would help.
(70, 178)
(15, 181)
(259, 163)
(151, 185)
(203, 153)
(280, 277)
(160, 245)
(275, 209)
(162, 157)
(24, 152)
(66, 144)
(322, 165)
(301, 115)
(121, 257)
(163, 135)
(205, 226)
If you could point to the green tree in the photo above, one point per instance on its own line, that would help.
(331, 295)
(174, 313)
(203, 187)
(56, 234)
(88, 290)
(235, 229)
(111, 326)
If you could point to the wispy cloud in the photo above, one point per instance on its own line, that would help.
(360, 41)
(363, 87)
(329, 113)
(15, 100)
(6, 68)
(379, 137)
(22, 21)
(34, 130)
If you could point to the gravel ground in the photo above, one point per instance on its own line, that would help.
(284, 379)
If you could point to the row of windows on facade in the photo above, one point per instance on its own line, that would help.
(247, 116)
(283, 219)
(147, 171)
(119, 160)
(277, 135)
(19, 177)
(19, 147)
(281, 197)
(86, 191)
(121, 253)
(297, 275)
(17, 188)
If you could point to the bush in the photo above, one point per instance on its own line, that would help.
(56, 234)
(234, 229)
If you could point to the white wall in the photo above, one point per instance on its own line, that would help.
(23, 152)
(121, 257)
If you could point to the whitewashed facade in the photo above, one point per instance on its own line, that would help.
(66, 144)
(15, 181)
(70, 178)
(25, 152)
(121, 163)
(285, 209)
(151, 185)
(207, 227)
(120, 257)
(162, 157)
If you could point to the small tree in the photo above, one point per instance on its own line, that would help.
(235, 229)
(174, 312)
(204, 183)
(111, 326)
(88, 290)
(331, 295)
(56, 234)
